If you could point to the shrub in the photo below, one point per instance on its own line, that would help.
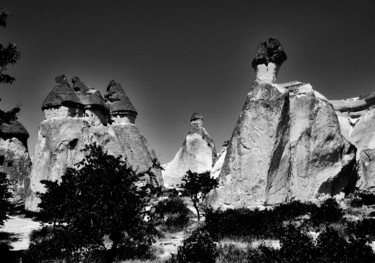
(363, 228)
(173, 213)
(254, 223)
(361, 198)
(199, 247)
(328, 212)
(229, 253)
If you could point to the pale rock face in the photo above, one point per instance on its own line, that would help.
(286, 145)
(15, 162)
(61, 143)
(357, 121)
(215, 172)
(267, 73)
(197, 154)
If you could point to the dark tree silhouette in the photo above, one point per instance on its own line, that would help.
(101, 196)
(9, 53)
(197, 186)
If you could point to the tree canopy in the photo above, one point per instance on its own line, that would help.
(9, 53)
(101, 197)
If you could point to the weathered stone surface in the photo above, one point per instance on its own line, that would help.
(358, 126)
(286, 145)
(197, 154)
(62, 139)
(14, 157)
(15, 162)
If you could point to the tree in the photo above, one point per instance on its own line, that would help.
(101, 197)
(9, 54)
(197, 186)
(5, 205)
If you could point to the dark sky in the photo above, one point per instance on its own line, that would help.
(174, 58)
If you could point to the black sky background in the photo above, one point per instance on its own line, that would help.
(174, 58)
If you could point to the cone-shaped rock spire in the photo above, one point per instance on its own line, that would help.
(197, 154)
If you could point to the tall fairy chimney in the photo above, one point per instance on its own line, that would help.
(196, 122)
(268, 59)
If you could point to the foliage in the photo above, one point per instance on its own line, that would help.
(229, 253)
(5, 205)
(173, 212)
(330, 247)
(9, 54)
(362, 228)
(199, 247)
(328, 212)
(101, 197)
(197, 186)
(254, 223)
(361, 198)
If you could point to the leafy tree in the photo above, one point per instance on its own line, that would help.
(9, 53)
(197, 186)
(5, 205)
(101, 197)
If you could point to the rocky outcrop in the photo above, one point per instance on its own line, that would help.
(197, 154)
(76, 116)
(286, 144)
(14, 157)
(357, 121)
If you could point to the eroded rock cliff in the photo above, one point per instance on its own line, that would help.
(197, 154)
(357, 121)
(77, 116)
(286, 144)
(14, 157)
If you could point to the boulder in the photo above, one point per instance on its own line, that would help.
(197, 154)
(286, 145)
(62, 139)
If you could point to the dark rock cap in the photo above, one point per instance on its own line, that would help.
(270, 51)
(117, 100)
(196, 116)
(61, 95)
(14, 129)
(90, 98)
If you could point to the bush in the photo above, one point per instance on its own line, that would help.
(173, 213)
(199, 247)
(230, 253)
(254, 223)
(328, 212)
(361, 198)
(330, 247)
(363, 228)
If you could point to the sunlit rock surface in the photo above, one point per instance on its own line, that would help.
(78, 116)
(197, 154)
(14, 157)
(357, 121)
(286, 144)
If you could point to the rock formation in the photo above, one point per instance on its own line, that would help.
(286, 145)
(357, 121)
(76, 116)
(14, 157)
(197, 154)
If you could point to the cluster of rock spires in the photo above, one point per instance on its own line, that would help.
(76, 116)
(289, 142)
